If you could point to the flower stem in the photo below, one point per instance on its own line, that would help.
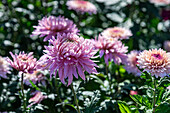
(154, 95)
(110, 84)
(75, 98)
(58, 97)
(22, 90)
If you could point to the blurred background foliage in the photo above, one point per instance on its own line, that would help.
(17, 18)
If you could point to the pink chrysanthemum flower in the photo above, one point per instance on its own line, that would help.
(156, 62)
(38, 97)
(51, 26)
(25, 63)
(160, 2)
(112, 48)
(82, 6)
(4, 68)
(69, 54)
(117, 32)
(131, 62)
(35, 77)
(167, 46)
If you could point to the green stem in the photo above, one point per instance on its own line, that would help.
(75, 98)
(110, 84)
(58, 97)
(23, 95)
(154, 95)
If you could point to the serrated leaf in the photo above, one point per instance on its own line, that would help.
(141, 100)
(124, 108)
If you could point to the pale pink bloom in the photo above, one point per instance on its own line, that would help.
(131, 62)
(112, 49)
(133, 92)
(38, 97)
(41, 63)
(168, 87)
(160, 2)
(156, 62)
(4, 67)
(69, 54)
(51, 26)
(82, 6)
(35, 77)
(117, 32)
(167, 46)
(23, 62)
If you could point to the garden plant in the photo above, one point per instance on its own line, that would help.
(77, 56)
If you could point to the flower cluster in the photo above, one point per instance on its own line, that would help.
(156, 62)
(4, 67)
(69, 54)
(51, 26)
(112, 48)
(117, 32)
(131, 62)
(81, 6)
(23, 62)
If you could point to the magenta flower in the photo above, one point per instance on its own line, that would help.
(25, 63)
(131, 62)
(167, 45)
(156, 62)
(51, 26)
(165, 14)
(117, 32)
(82, 6)
(4, 68)
(35, 77)
(69, 54)
(38, 97)
(112, 48)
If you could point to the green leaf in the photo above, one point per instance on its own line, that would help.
(124, 108)
(160, 95)
(134, 109)
(166, 95)
(149, 93)
(141, 100)
(163, 108)
(97, 79)
(91, 104)
(33, 85)
(71, 106)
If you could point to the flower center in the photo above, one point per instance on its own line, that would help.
(116, 31)
(157, 56)
(135, 61)
(82, 2)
